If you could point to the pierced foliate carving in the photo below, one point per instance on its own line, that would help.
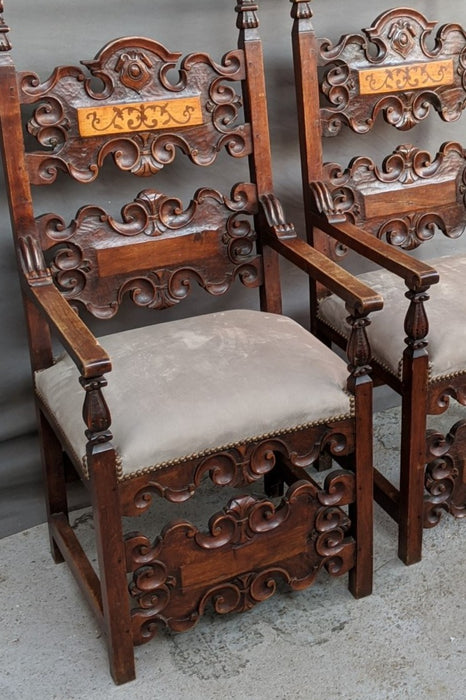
(445, 478)
(141, 250)
(301, 537)
(390, 70)
(394, 202)
(197, 114)
(241, 465)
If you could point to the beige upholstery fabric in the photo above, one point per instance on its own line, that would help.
(446, 311)
(186, 387)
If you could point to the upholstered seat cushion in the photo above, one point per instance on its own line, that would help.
(185, 388)
(446, 311)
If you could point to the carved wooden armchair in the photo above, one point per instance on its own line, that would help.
(240, 397)
(403, 70)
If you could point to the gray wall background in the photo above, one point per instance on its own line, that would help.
(45, 33)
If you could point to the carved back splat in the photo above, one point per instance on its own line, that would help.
(127, 106)
(403, 70)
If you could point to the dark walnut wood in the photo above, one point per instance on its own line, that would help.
(402, 69)
(124, 108)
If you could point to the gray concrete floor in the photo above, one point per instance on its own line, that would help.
(407, 640)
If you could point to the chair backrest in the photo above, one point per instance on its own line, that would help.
(142, 106)
(400, 68)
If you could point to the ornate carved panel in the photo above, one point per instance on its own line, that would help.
(391, 70)
(405, 201)
(239, 466)
(128, 106)
(445, 478)
(155, 251)
(248, 548)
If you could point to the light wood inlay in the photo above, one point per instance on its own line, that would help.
(412, 76)
(139, 116)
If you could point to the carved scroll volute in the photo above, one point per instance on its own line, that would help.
(416, 325)
(4, 29)
(301, 9)
(33, 262)
(358, 348)
(96, 413)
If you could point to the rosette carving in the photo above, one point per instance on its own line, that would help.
(390, 70)
(169, 584)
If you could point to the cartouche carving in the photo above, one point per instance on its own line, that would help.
(401, 57)
(124, 68)
(353, 193)
(168, 582)
(95, 240)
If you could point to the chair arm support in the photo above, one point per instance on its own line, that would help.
(90, 358)
(358, 296)
(282, 237)
(81, 344)
(416, 273)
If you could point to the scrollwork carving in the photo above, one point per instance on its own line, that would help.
(445, 476)
(390, 70)
(33, 261)
(170, 587)
(95, 246)
(442, 390)
(354, 193)
(245, 464)
(142, 136)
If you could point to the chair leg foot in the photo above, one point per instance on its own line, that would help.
(57, 556)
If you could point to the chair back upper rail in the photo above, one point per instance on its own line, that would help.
(390, 69)
(142, 105)
(402, 69)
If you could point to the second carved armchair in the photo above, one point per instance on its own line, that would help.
(406, 71)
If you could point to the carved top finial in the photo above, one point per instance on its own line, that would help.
(4, 29)
(247, 18)
(301, 9)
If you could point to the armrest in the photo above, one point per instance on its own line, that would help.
(417, 274)
(356, 294)
(281, 236)
(80, 343)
